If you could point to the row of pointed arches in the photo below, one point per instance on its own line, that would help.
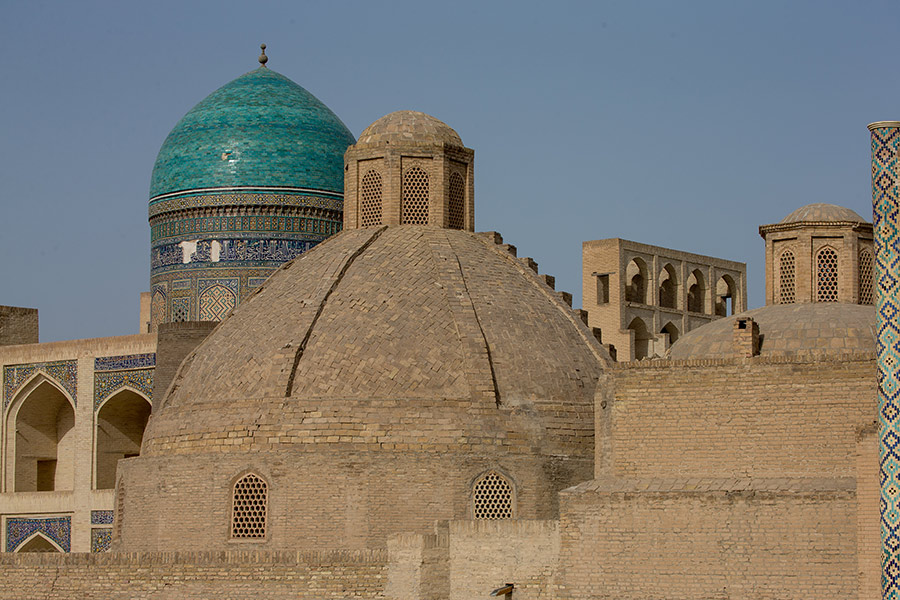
(40, 442)
(492, 498)
(644, 338)
(826, 276)
(669, 290)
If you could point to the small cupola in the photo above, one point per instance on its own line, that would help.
(409, 168)
(819, 253)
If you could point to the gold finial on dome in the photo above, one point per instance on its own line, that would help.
(263, 59)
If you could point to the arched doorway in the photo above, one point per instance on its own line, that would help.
(641, 338)
(42, 454)
(121, 421)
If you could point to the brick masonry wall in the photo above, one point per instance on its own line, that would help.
(18, 325)
(174, 342)
(184, 576)
(321, 498)
(720, 540)
(733, 418)
(485, 555)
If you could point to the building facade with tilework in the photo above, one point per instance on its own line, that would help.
(409, 410)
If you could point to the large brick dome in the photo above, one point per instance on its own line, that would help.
(370, 381)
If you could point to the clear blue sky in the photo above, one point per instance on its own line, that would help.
(681, 124)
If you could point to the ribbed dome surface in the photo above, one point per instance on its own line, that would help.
(822, 212)
(262, 129)
(788, 329)
(409, 126)
(393, 314)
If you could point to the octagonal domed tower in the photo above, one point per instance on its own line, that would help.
(248, 179)
(819, 253)
(409, 168)
(391, 377)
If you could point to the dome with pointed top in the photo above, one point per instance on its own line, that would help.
(260, 130)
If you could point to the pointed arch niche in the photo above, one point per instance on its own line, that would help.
(120, 424)
(40, 440)
(39, 543)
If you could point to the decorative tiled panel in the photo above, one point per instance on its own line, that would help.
(268, 226)
(102, 517)
(101, 539)
(243, 251)
(255, 282)
(195, 199)
(886, 205)
(63, 372)
(109, 382)
(19, 529)
(181, 309)
(122, 363)
(216, 302)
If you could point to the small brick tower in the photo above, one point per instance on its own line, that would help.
(409, 168)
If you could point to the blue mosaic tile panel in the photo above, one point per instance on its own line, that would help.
(101, 538)
(886, 207)
(229, 283)
(267, 226)
(122, 363)
(63, 372)
(216, 302)
(181, 284)
(245, 251)
(102, 517)
(181, 309)
(255, 282)
(108, 383)
(19, 529)
(261, 129)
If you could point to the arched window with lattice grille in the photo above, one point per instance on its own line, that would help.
(456, 207)
(415, 197)
(866, 277)
(827, 275)
(249, 507)
(493, 497)
(370, 199)
(787, 293)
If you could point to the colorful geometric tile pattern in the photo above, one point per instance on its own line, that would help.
(108, 383)
(101, 539)
(19, 529)
(216, 302)
(63, 372)
(269, 226)
(886, 205)
(122, 363)
(102, 517)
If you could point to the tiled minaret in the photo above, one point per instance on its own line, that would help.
(886, 205)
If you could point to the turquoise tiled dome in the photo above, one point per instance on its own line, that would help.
(260, 130)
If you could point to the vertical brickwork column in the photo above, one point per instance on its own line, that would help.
(886, 205)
